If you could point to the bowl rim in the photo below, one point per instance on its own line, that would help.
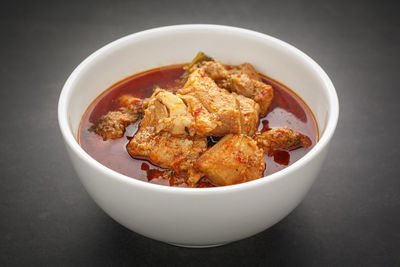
(72, 143)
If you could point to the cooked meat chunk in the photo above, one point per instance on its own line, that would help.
(242, 79)
(221, 111)
(216, 71)
(166, 151)
(215, 110)
(257, 90)
(129, 101)
(246, 81)
(162, 137)
(249, 114)
(175, 117)
(205, 122)
(282, 138)
(113, 124)
(248, 69)
(234, 159)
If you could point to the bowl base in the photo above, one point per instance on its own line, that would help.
(198, 246)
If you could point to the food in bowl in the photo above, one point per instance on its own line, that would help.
(202, 124)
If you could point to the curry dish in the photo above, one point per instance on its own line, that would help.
(202, 124)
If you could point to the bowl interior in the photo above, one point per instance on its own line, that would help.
(178, 44)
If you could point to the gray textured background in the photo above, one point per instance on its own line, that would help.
(351, 215)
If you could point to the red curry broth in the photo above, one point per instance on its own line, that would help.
(287, 109)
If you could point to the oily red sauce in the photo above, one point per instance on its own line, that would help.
(287, 109)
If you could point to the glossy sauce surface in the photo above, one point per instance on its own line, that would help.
(287, 109)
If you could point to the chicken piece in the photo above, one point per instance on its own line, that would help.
(205, 122)
(113, 124)
(248, 69)
(234, 159)
(167, 151)
(161, 144)
(242, 79)
(260, 92)
(211, 99)
(178, 120)
(282, 138)
(129, 101)
(249, 114)
(217, 71)
(143, 141)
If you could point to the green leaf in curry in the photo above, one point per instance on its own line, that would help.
(200, 57)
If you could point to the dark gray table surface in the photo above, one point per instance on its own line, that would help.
(351, 216)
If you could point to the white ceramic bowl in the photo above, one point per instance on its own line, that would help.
(205, 216)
